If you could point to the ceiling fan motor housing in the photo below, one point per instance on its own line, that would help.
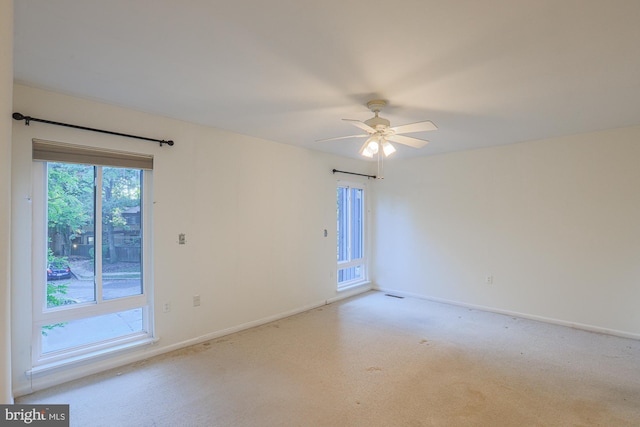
(378, 123)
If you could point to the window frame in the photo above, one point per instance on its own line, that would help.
(42, 315)
(363, 261)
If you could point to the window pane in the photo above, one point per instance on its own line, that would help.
(357, 229)
(76, 333)
(343, 224)
(70, 229)
(121, 232)
(351, 274)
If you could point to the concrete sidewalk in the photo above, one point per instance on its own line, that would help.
(81, 272)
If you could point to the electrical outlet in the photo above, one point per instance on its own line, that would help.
(166, 307)
(489, 279)
(182, 239)
(196, 300)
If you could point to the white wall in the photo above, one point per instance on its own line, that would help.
(6, 89)
(556, 222)
(253, 212)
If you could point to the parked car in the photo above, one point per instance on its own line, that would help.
(55, 273)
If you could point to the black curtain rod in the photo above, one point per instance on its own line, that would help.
(27, 119)
(353, 173)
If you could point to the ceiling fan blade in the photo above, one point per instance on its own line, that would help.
(342, 137)
(361, 125)
(415, 127)
(407, 140)
(363, 146)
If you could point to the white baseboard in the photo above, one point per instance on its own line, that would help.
(156, 349)
(360, 288)
(244, 326)
(22, 391)
(66, 374)
(575, 325)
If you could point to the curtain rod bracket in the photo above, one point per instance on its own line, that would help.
(28, 119)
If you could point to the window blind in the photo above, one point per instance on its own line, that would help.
(51, 151)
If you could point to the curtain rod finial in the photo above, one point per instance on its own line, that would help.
(18, 116)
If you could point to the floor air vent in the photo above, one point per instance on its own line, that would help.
(393, 296)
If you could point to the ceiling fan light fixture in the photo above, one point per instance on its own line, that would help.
(364, 150)
(372, 147)
(388, 148)
(367, 153)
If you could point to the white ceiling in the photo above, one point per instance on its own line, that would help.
(486, 72)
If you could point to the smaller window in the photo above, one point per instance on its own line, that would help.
(351, 249)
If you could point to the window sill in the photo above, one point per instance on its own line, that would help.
(73, 361)
(350, 290)
(355, 286)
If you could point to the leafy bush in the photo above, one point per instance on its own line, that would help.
(56, 261)
(56, 292)
(55, 297)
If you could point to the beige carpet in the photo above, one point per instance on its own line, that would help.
(374, 360)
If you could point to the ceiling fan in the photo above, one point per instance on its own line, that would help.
(380, 133)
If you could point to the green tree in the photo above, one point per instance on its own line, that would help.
(70, 201)
(120, 192)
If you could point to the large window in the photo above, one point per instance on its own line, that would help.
(351, 231)
(91, 256)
